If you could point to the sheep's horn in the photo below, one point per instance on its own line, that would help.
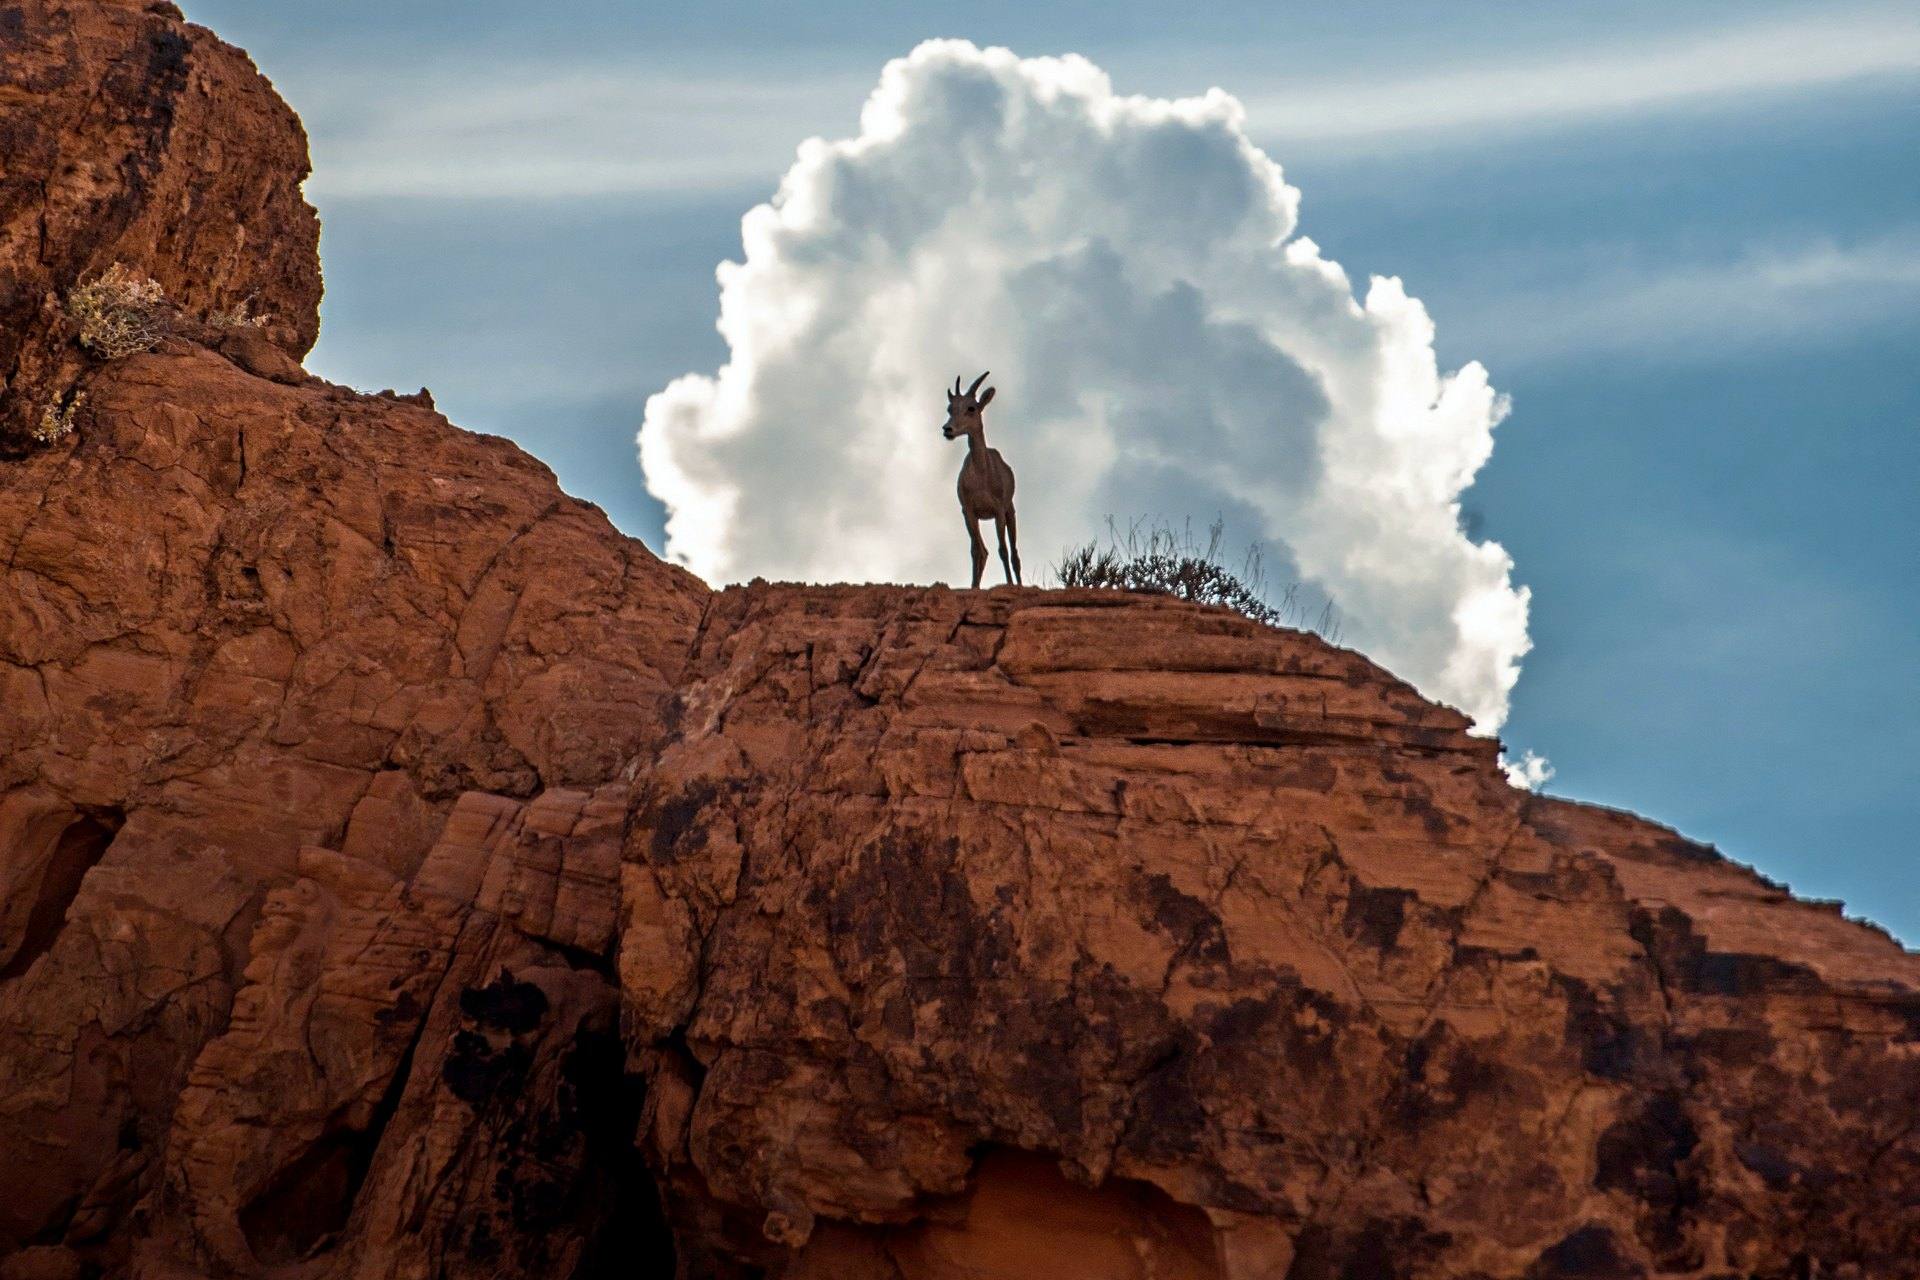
(956, 385)
(976, 383)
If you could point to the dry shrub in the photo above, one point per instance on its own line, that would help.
(239, 316)
(119, 312)
(1156, 558)
(56, 420)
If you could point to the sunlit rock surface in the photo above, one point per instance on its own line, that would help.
(404, 874)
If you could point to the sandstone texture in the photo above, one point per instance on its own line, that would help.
(130, 136)
(404, 874)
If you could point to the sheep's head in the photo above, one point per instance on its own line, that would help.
(964, 408)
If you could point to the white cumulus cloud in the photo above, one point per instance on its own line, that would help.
(1163, 341)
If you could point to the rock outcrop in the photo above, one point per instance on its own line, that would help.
(404, 874)
(130, 136)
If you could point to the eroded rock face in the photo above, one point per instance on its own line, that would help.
(1192, 904)
(296, 683)
(403, 874)
(128, 135)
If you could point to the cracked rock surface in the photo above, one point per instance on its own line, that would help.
(404, 874)
(129, 136)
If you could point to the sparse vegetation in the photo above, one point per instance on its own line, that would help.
(56, 420)
(119, 312)
(1154, 557)
(239, 316)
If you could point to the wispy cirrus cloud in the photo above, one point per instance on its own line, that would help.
(563, 132)
(1778, 292)
(482, 127)
(1546, 89)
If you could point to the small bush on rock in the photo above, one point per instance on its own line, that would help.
(56, 421)
(119, 313)
(1155, 558)
(239, 316)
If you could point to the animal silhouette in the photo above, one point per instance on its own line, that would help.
(986, 481)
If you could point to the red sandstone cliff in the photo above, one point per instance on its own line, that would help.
(402, 873)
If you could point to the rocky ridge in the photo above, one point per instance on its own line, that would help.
(404, 874)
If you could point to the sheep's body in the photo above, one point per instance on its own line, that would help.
(985, 487)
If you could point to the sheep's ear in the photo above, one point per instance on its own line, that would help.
(987, 399)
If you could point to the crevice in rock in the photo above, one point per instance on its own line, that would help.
(78, 849)
(583, 959)
(630, 1235)
(303, 1209)
(54, 1230)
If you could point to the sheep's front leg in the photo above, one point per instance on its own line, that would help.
(979, 548)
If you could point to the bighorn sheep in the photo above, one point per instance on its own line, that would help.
(986, 481)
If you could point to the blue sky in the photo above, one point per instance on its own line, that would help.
(1687, 244)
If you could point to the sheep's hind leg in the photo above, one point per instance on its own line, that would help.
(1013, 540)
(1000, 532)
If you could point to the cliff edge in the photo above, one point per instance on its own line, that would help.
(404, 874)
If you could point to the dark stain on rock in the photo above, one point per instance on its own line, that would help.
(1376, 916)
(1690, 851)
(1645, 1154)
(1168, 1117)
(1538, 884)
(481, 1244)
(1683, 959)
(476, 1072)
(1735, 1046)
(1609, 1044)
(903, 915)
(677, 830)
(1185, 918)
(510, 1006)
(1732, 973)
(1442, 1076)
(1772, 1165)
(404, 1012)
(566, 1170)
(167, 52)
(1589, 1253)
(1255, 1026)
(1046, 1042)
(1307, 773)
(1641, 1153)
(1907, 1008)
(907, 897)
(1376, 1249)
(1437, 824)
